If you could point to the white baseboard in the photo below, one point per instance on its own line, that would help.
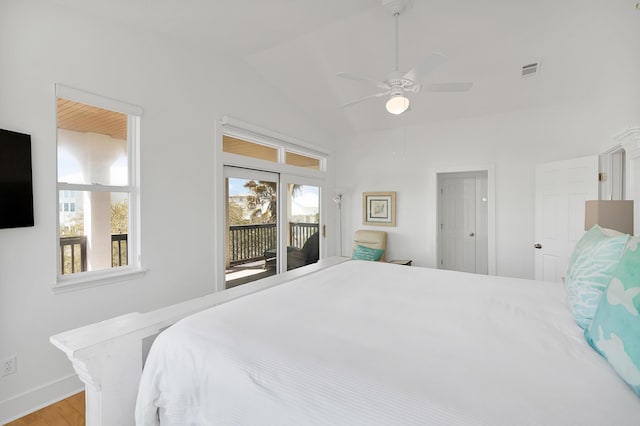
(37, 398)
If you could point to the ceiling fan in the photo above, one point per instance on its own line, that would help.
(397, 84)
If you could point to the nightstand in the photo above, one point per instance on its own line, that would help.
(401, 262)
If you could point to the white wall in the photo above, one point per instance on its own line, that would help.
(405, 160)
(183, 90)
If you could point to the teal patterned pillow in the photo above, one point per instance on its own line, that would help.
(615, 329)
(589, 239)
(590, 269)
(367, 253)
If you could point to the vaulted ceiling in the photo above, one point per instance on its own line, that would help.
(299, 45)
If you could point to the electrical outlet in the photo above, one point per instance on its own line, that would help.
(8, 366)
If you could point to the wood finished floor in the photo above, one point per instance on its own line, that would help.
(68, 412)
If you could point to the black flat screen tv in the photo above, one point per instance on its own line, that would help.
(16, 186)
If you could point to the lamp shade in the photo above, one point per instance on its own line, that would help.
(397, 104)
(611, 214)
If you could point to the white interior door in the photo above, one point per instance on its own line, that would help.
(463, 222)
(562, 187)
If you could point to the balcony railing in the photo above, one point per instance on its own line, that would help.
(119, 250)
(73, 253)
(248, 243)
(299, 233)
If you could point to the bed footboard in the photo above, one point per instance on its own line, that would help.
(109, 356)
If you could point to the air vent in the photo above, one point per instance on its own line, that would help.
(531, 69)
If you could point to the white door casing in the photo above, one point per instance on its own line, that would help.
(562, 187)
(611, 168)
(629, 140)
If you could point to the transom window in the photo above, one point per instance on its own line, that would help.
(249, 149)
(276, 153)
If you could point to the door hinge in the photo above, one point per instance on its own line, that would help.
(602, 177)
(442, 190)
(324, 231)
(441, 226)
(441, 262)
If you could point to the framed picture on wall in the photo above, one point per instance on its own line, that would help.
(379, 208)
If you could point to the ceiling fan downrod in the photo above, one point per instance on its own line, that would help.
(396, 7)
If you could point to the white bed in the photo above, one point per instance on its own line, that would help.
(373, 343)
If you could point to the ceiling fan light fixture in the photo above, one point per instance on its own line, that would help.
(398, 83)
(397, 104)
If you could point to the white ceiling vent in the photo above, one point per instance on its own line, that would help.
(531, 69)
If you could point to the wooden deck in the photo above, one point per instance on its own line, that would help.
(246, 272)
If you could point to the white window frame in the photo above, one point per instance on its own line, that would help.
(282, 143)
(242, 130)
(134, 267)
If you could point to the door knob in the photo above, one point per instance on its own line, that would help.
(538, 246)
(472, 234)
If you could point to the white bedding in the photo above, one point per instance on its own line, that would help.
(368, 343)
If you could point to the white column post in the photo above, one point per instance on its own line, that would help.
(111, 374)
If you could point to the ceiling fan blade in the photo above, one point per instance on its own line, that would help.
(429, 63)
(415, 88)
(375, 95)
(447, 87)
(380, 84)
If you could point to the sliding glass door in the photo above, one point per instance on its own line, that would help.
(251, 212)
(302, 227)
(267, 214)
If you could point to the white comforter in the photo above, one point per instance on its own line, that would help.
(367, 343)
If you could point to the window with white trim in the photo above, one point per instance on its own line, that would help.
(288, 204)
(97, 162)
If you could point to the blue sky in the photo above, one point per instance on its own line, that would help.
(236, 187)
